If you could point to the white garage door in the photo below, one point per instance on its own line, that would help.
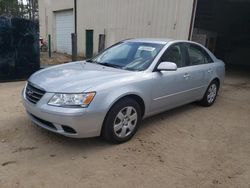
(64, 28)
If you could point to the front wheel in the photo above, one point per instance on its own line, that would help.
(211, 94)
(122, 121)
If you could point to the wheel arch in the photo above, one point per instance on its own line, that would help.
(133, 96)
(217, 80)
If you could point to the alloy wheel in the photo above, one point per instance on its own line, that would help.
(125, 122)
(212, 92)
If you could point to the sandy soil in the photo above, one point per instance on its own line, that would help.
(190, 146)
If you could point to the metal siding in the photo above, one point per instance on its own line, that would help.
(64, 27)
(121, 19)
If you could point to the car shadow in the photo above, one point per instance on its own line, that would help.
(150, 121)
(98, 142)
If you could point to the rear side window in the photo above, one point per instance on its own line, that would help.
(197, 55)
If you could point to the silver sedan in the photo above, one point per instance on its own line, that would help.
(111, 93)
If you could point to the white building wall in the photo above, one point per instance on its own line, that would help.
(121, 19)
(47, 9)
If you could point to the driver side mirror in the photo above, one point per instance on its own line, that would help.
(167, 66)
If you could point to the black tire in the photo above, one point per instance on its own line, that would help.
(205, 101)
(108, 132)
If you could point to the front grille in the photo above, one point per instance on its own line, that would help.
(33, 94)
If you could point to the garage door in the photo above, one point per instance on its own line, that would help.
(64, 28)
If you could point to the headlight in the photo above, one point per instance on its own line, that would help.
(72, 100)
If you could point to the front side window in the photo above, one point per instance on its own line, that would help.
(135, 56)
(197, 55)
(174, 55)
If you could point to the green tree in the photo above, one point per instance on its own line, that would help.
(32, 8)
(9, 7)
(19, 9)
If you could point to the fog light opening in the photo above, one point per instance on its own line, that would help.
(68, 129)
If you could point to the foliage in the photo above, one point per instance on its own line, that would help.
(18, 9)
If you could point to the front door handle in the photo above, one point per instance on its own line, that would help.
(186, 76)
(210, 71)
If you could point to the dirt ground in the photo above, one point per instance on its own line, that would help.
(56, 58)
(190, 146)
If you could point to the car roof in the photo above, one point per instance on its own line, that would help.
(150, 40)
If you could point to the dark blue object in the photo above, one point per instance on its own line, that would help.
(19, 48)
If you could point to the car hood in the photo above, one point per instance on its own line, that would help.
(75, 77)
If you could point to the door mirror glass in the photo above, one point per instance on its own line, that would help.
(167, 66)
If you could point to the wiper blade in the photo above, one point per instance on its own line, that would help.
(129, 69)
(104, 64)
(110, 65)
(90, 61)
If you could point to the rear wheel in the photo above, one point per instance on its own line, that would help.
(211, 94)
(122, 121)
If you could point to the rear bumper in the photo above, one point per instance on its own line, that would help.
(70, 122)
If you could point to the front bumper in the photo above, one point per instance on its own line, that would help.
(70, 122)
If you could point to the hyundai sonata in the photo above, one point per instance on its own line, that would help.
(111, 93)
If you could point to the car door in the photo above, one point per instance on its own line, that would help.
(199, 70)
(171, 88)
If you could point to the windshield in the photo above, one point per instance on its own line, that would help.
(134, 56)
